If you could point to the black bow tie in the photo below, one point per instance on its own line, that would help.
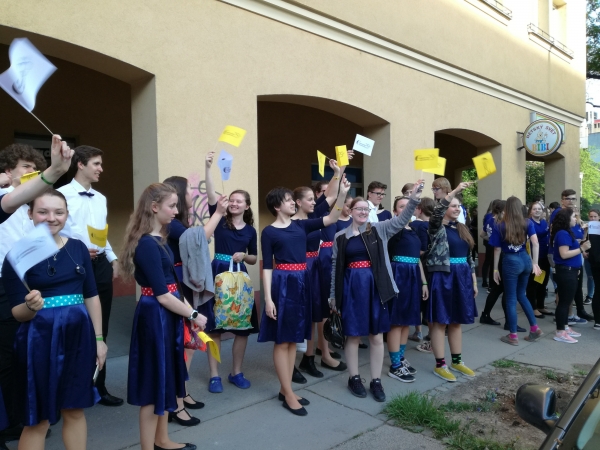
(452, 224)
(89, 194)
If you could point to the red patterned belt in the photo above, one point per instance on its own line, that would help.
(179, 264)
(359, 265)
(327, 244)
(312, 254)
(147, 291)
(301, 266)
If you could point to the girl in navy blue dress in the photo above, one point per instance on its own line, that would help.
(157, 371)
(287, 317)
(404, 249)
(235, 239)
(307, 208)
(452, 283)
(536, 292)
(174, 231)
(59, 343)
(362, 284)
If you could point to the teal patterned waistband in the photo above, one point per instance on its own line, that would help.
(458, 260)
(405, 259)
(63, 300)
(222, 257)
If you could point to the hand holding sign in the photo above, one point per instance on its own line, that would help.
(484, 164)
(426, 158)
(341, 155)
(98, 237)
(225, 162)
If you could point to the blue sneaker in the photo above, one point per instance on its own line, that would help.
(239, 381)
(215, 386)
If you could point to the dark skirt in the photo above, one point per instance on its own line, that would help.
(451, 296)
(290, 292)
(405, 308)
(362, 311)
(55, 363)
(208, 308)
(157, 371)
(325, 266)
(3, 416)
(314, 272)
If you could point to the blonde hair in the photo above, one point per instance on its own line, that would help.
(141, 222)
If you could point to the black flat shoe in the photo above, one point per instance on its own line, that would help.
(110, 400)
(185, 447)
(308, 365)
(191, 422)
(297, 412)
(363, 346)
(334, 355)
(302, 400)
(488, 320)
(340, 367)
(519, 329)
(541, 316)
(196, 405)
(297, 377)
(546, 312)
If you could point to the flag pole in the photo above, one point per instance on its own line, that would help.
(41, 123)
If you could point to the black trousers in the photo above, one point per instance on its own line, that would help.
(496, 290)
(536, 292)
(579, 293)
(8, 330)
(103, 273)
(566, 279)
(487, 273)
(596, 299)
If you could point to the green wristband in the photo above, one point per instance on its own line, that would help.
(99, 338)
(44, 180)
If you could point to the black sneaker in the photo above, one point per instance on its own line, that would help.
(357, 387)
(587, 300)
(377, 390)
(408, 367)
(297, 377)
(402, 374)
(586, 316)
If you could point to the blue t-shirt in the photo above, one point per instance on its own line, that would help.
(228, 241)
(497, 238)
(488, 224)
(153, 265)
(563, 238)
(287, 245)
(542, 230)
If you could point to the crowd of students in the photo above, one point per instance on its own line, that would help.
(325, 253)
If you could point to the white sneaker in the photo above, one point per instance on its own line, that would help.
(562, 336)
(572, 333)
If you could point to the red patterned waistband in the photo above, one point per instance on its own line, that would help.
(312, 254)
(301, 266)
(147, 291)
(359, 265)
(327, 244)
(179, 264)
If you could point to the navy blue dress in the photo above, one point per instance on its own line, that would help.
(157, 371)
(174, 231)
(3, 416)
(451, 294)
(384, 214)
(404, 249)
(227, 243)
(290, 289)
(320, 308)
(55, 351)
(362, 310)
(325, 256)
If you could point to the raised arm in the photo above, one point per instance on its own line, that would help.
(334, 215)
(211, 225)
(388, 228)
(60, 155)
(331, 192)
(210, 186)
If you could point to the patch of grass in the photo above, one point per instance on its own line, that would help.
(551, 375)
(505, 364)
(581, 373)
(415, 410)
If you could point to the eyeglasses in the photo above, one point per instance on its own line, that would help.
(378, 194)
(435, 189)
(323, 191)
(570, 199)
(361, 209)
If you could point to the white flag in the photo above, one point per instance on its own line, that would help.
(32, 249)
(225, 162)
(28, 71)
(363, 144)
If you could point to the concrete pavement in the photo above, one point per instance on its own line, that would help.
(254, 418)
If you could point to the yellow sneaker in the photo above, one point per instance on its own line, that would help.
(462, 369)
(444, 373)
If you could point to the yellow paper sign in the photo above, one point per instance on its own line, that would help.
(28, 176)
(484, 164)
(321, 158)
(440, 169)
(233, 135)
(426, 158)
(98, 237)
(212, 346)
(341, 154)
(540, 277)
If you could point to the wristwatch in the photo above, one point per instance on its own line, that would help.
(193, 315)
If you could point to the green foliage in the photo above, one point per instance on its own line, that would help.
(534, 180)
(470, 193)
(593, 39)
(505, 364)
(590, 194)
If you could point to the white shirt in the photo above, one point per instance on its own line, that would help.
(373, 212)
(462, 217)
(14, 228)
(84, 211)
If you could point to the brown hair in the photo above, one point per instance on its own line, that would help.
(248, 216)
(141, 222)
(84, 153)
(514, 222)
(427, 206)
(180, 184)
(10, 156)
(376, 185)
(50, 192)
(353, 203)
(407, 187)
(532, 205)
(442, 183)
(464, 233)
(396, 200)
